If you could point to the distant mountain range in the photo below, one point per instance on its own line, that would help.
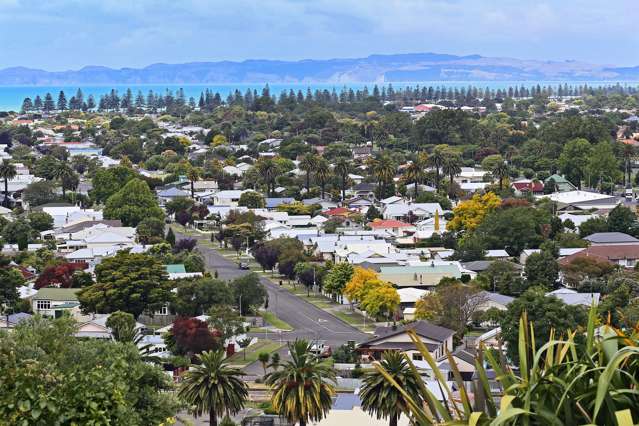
(375, 68)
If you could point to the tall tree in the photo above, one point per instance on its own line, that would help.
(128, 282)
(384, 400)
(323, 174)
(342, 169)
(7, 172)
(268, 171)
(63, 173)
(308, 164)
(214, 387)
(451, 167)
(62, 101)
(416, 171)
(132, 204)
(500, 171)
(383, 169)
(193, 175)
(573, 161)
(302, 389)
(436, 160)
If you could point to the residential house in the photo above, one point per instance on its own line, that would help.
(53, 302)
(437, 340)
(362, 152)
(611, 238)
(363, 189)
(392, 226)
(494, 300)
(228, 197)
(563, 252)
(561, 183)
(168, 194)
(408, 297)
(573, 298)
(527, 186)
(625, 255)
(582, 200)
(411, 211)
(95, 327)
(11, 320)
(470, 175)
(423, 275)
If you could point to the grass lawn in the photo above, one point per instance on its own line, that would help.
(355, 319)
(272, 319)
(253, 351)
(188, 231)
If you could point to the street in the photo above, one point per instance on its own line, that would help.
(309, 322)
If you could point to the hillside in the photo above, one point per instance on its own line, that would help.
(379, 68)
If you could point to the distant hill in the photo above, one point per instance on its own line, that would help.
(378, 68)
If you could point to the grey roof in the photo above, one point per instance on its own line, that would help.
(477, 265)
(611, 237)
(365, 186)
(89, 223)
(271, 203)
(466, 355)
(498, 298)
(172, 193)
(19, 317)
(423, 328)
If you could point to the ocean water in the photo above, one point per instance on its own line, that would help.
(11, 97)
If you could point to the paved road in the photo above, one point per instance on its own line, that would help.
(309, 321)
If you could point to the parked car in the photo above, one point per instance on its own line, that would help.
(244, 265)
(321, 349)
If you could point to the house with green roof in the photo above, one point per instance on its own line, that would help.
(421, 276)
(53, 302)
(561, 183)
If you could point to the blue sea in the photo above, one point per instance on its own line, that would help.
(11, 97)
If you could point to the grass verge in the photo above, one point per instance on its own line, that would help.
(272, 319)
(250, 354)
(354, 319)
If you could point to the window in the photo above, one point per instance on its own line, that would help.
(43, 304)
(164, 310)
(418, 357)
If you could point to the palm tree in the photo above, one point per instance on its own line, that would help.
(381, 398)
(451, 167)
(416, 171)
(384, 170)
(213, 387)
(342, 168)
(7, 172)
(309, 165)
(302, 388)
(500, 171)
(436, 160)
(63, 173)
(193, 175)
(267, 169)
(322, 173)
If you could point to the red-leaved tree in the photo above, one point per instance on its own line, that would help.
(192, 336)
(59, 275)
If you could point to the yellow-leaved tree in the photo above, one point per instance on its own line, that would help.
(469, 214)
(355, 288)
(381, 299)
(373, 295)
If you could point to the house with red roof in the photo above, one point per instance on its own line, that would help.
(393, 226)
(528, 186)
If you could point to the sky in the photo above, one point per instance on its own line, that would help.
(69, 34)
